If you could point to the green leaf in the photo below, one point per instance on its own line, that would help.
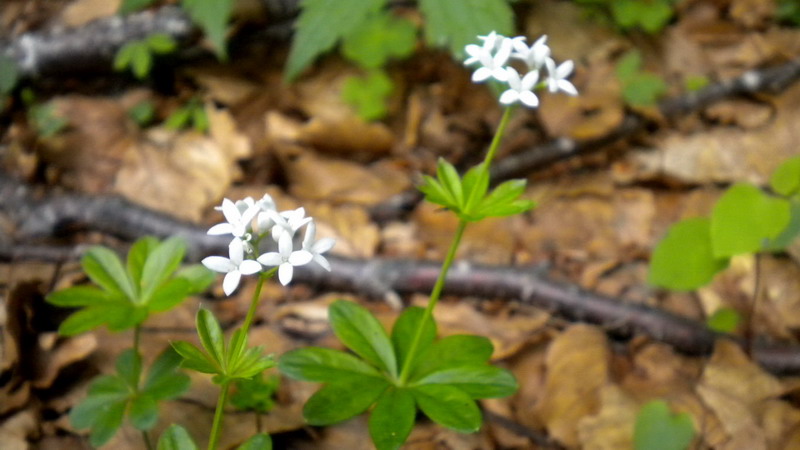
(785, 179)
(137, 256)
(212, 16)
(169, 295)
(368, 95)
(436, 193)
(141, 59)
(629, 65)
(323, 365)
(103, 409)
(178, 119)
(745, 218)
(448, 406)
(164, 381)
(694, 83)
(129, 368)
(644, 90)
(378, 38)
(655, 16)
(125, 316)
(81, 296)
(504, 201)
(342, 400)
(683, 260)
(789, 233)
(107, 424)
(142, 113)
(9, 74)
(90, 318)
(129, 6)
(361, 332)
(454, 24)
(448, 177)
(124, 56)
(453, 351)
(161, 43)
(255, 394)
(392, 419)
(724, 320)
(161, 263)
(322, 23)
(404, 330)
(475, 184)
(195, 359)
(199, 119)
(251, 363)
(211, 336)
(105, 268)
(477, 381)
(198, 276)
(260, 441)
(143, 412)
(658, 429)
(176, 438)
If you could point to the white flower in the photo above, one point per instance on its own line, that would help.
(234, 267)
(556, 77)
(238, 216)
(263, 220)
(492, 56)
(319, 247)
(534, 56)
(520, 90)
(287, 221)
(285, 258)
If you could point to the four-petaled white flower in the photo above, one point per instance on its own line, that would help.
(520, 90)
(286, 258)
(491, 56)
(556, 77)
(533, 56)
(317, 248)
(233, 267)
(238, 217)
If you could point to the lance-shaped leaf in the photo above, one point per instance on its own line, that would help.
(361, 332)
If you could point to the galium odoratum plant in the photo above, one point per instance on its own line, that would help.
(263, 243)
(408, 370)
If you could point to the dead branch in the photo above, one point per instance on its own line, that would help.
(377, 278)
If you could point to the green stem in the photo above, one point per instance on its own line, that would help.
(251, 312)
(498, 136)
(137, 334)
(435, 294)
(215, 427)
(147, 442)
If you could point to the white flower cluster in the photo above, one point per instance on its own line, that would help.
(494, 56)
(249, 221)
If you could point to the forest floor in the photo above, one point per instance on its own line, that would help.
(602, 208)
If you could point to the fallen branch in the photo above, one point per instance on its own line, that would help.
(376, 278)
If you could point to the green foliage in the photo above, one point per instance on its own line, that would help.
(142, 113)
(321, 25)
(788, 11)
(468, 197)
(368, 95)
(129, 6)
(724, 320)
(226, 361)
(47, 121)
(212, 17)
(744, 220)
(684, 260)
(379, 38)
(9, 76)
(125, 295)
(255, 394)
(454, 24)
(639, 88)
(648, 15)
(138, 55)
(192, 113)
(658, 429)
(696, 82)
(176, 438)
(112, 397)
(260, 441)
(444, 380)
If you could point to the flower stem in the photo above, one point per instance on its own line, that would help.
(251, 311)
(498, 136)
(435, 294)
(215, 427)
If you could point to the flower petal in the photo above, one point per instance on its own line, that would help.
(285, 272)
(508, 97)
(218, 264)
(300, 258)
(231, 282)
(271, 259)
(250, 267)
(221, 228)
